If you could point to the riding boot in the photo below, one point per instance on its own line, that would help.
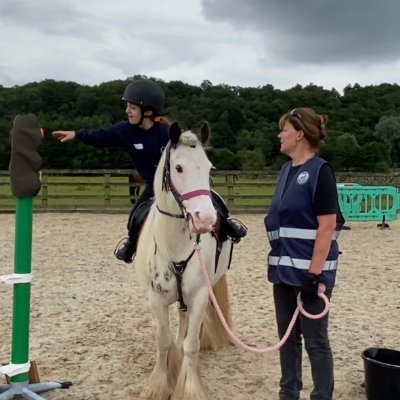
(235, 229)
(127, 251)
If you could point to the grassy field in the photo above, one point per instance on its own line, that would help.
(86, 191)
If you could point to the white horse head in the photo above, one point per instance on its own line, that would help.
(184, 171)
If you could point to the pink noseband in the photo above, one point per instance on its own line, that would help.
(195, 193)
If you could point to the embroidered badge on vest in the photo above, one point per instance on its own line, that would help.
(303, 178)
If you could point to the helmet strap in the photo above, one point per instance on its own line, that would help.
(143, 110)
(147, 121)
(141, 118)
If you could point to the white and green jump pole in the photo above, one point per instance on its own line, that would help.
(25, 184)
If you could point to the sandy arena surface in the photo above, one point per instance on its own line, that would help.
(90, 322)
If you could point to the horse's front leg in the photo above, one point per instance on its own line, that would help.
(189, 385)
(162, 380)
(182, 329)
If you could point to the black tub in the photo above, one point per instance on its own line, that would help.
(382, 373)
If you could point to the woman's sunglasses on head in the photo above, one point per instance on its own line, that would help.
(295, 113)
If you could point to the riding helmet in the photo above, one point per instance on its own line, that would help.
(145, 93)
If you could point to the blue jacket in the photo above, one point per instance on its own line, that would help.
(292, 225)
(144, 146)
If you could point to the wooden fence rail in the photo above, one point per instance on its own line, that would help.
(116, 191)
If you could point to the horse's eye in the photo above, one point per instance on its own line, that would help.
(179, 168)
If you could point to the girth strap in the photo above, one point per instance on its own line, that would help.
(218, 251)
(178, 268)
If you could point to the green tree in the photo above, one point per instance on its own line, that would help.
(251, 160)
(242, 119)
(223, 159)
(388, 130)
(342, 152)
(374, 157)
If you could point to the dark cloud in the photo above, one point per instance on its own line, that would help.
(59, 19)
(238, 42)
(317, 31)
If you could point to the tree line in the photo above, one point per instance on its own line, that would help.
(363, 123)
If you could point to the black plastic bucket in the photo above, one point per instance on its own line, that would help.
(382, 373)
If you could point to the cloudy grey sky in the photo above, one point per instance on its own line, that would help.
(331, 43)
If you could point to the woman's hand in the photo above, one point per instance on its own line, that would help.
(310, 288)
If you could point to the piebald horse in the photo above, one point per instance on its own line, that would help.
(168, 267)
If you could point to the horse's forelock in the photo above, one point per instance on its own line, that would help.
(188, 138)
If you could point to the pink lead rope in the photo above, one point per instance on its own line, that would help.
(277, 346)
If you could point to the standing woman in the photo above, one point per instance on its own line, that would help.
(144, 136)
(303, 224)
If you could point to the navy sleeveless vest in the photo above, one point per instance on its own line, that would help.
(292, 226)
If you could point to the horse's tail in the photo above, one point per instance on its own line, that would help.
(213, 335)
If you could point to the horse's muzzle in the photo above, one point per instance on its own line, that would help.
(199, 224)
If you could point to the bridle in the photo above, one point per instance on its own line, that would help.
(168, 185)
(178, 268)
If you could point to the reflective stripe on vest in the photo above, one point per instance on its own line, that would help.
(296, 233)
(299, 263)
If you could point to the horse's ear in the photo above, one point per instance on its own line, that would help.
(204, 133)
(174, 133)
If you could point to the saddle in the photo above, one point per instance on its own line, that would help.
(226, 227)
(222, 231)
